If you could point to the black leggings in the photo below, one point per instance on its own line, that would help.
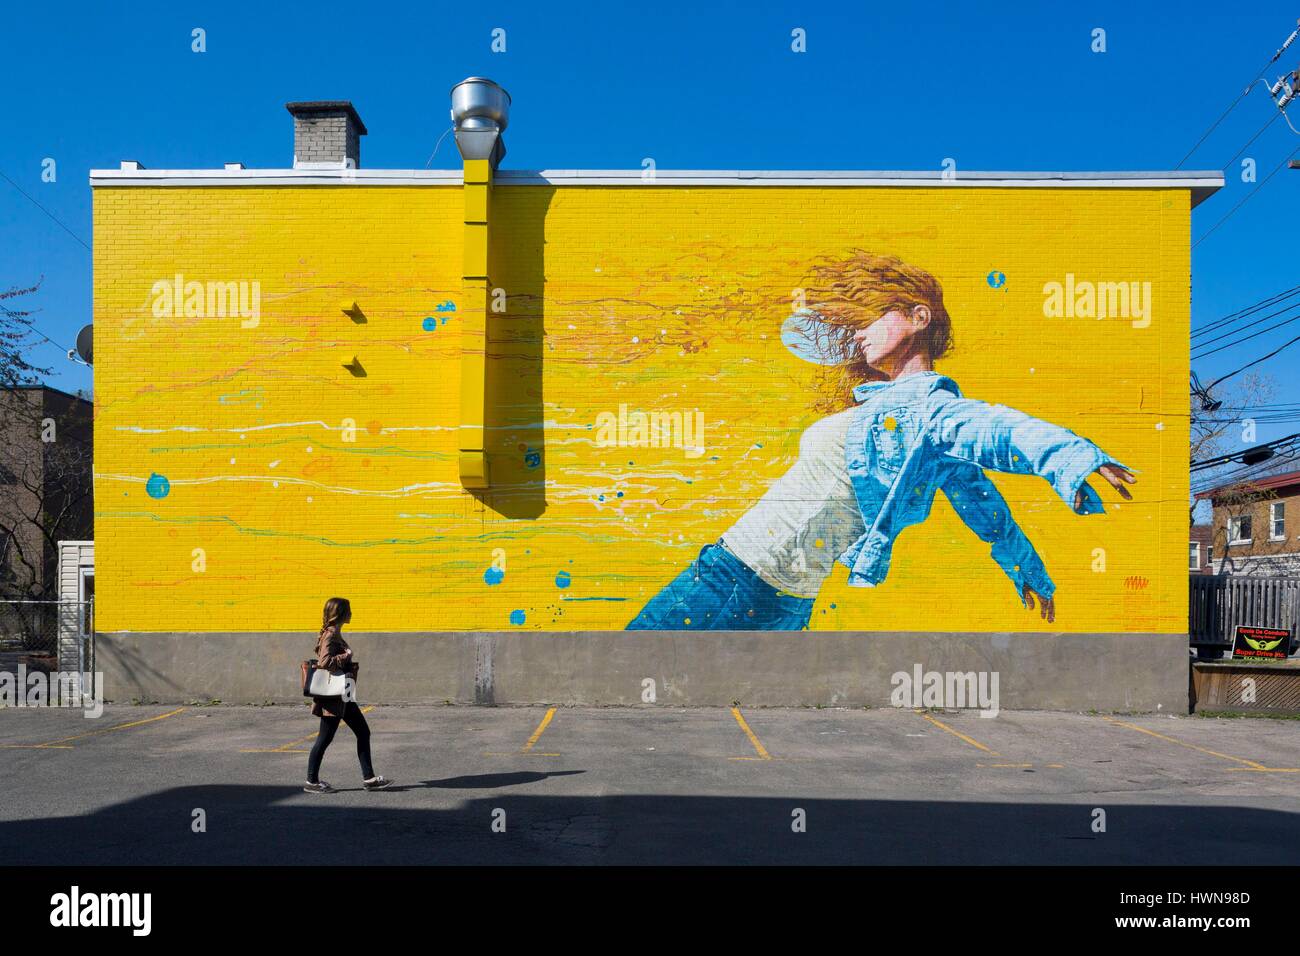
(356, 722)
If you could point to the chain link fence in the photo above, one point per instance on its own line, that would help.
(47, 636)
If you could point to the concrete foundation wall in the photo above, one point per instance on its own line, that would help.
(1049, 671)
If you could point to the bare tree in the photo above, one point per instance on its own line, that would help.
(1238, 494)
(16, 334)
(45, 475)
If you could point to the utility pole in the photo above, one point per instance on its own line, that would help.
(1287, 87)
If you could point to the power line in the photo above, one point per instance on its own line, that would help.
(59, 222)
(1240, 97)
(1245, 315)
(1257, 361)
(22, 319)
(1233, 456)
(1248, 474)
(1271, 120)
(1245, 198)
(1248, 310)
(1224, 115)
(46, 211)
(1247, 338)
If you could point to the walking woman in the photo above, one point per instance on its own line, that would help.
(334, 655)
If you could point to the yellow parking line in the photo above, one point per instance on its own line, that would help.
(289, 747)
(958, 734)
(537, 734)
(758, 747)
(1250, 764)
(518, 753)
(1263, 770)
(527, 749)
(62, 742)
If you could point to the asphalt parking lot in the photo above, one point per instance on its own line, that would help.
(480, 785)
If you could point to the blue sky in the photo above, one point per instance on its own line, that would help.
(1005, 87)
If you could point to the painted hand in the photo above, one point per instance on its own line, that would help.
(1116, 476)
(1047, 606)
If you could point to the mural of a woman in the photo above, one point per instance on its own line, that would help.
(865, 473)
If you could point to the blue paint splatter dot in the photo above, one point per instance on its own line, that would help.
(516, 616)
(430, 324)
(563, 580)
(493, 576)
(620, 494)
(532, 458)
(832, 607)
(601, 498)
(997, 280)
(157, 486)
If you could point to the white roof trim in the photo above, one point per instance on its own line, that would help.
(331, 176)
(1202, 183)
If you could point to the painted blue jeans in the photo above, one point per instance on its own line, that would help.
(719, 592)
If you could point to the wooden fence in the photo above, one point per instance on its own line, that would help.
(1220, 602)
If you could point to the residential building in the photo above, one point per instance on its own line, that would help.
(1201, 549)
(1256, 525)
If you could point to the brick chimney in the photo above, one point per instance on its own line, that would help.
(326, 134)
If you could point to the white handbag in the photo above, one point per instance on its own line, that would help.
(325, 684)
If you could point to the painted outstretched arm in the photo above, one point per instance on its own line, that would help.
(978, 502)
(1003, 439)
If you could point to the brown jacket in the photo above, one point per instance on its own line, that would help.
(330, 648)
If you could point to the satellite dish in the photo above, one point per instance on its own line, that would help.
(83, 344)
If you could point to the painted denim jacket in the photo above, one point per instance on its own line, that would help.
(916, 436)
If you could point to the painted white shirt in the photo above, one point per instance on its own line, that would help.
(807, 519)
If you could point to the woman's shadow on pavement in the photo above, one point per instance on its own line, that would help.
(486, 781)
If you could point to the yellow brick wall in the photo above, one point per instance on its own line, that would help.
(663, 299)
